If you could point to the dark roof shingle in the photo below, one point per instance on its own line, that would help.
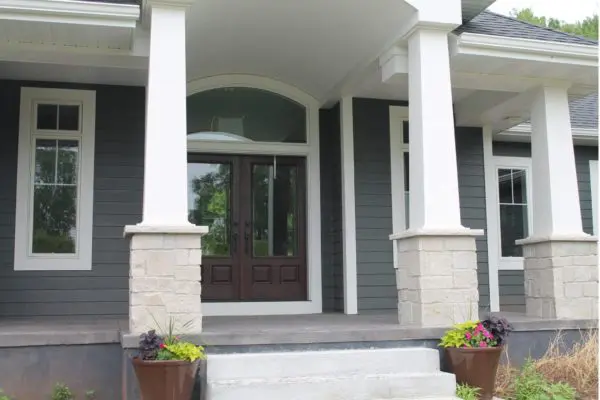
(584, 112)
(489, 23)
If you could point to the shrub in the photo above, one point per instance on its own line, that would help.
(468, 334)
(466, 392)
(4, 396)
(62, 392)
(532, 385)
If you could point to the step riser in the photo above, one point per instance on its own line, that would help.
(319, 363)
(387, 387)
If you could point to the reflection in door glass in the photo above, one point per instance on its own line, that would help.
(209, 187)
(274, 210)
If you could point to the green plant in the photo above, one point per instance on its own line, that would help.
(90, 394)
(466, 392)
(531, 385)
(62, 392)
(468, 334)
(4, 396)
(169, 346)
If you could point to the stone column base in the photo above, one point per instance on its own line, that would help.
(164, 278)
(561, 277)
(436, 277)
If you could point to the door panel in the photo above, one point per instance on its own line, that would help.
(211, 202)
(255, 210)
(274, 261)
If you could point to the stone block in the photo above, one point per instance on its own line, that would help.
(589, 260)
(195, 257)
(576, 274)
(590, 289)
(465, 312)
(436, 263)
(430, 243)
(439, 282)
(575, 308)
(187, 273)
(459, 243)
(464, 279)
(146, 299)
(573, 290)
(147, 241)
(464, 260)
(437, 314)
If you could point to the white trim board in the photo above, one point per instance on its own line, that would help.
(594, 187)
(71, 12)
(314, 305)
(82, 260)
(348, 206)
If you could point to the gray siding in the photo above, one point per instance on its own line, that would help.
(471, 188)
(376, 275)
(512, 291)
(118, 176)
(331, 213)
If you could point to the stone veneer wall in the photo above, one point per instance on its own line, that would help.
(436, 278)
(164, 281)
(561, 279)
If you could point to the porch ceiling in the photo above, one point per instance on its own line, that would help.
(311, 44)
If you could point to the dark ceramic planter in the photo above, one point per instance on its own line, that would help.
(476, 367)
(168, 380)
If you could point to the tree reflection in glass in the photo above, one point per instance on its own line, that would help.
(55, 196)
(208, 204)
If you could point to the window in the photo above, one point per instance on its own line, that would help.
(512, 201)
(55, 180)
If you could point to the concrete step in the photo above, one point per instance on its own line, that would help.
(356, 374)
(433, 385)
(319, 363)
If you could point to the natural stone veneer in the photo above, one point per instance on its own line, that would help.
(436, 277)
(164, 277)
(561, 278)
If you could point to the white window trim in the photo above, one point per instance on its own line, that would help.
(507, 263)
(594, 187)
(82, 260)
(314, 304)
(398, 115)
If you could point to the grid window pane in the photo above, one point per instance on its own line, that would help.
(55, 197)
(505, 185)
(47, 116)
(68, 118)
(512, 190)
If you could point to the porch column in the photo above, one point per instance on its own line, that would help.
(165, 253)
(561, 264)
(436, 264)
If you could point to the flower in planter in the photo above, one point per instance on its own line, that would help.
(168, 347)
(477, 334)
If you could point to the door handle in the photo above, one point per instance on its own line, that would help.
(246, 237)
(234, 237)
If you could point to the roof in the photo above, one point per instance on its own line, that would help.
(116, 1)
(584, 112)
(489, 23)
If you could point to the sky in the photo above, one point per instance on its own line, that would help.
(564, 10)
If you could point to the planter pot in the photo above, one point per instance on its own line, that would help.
(167, 380)
(475, 367)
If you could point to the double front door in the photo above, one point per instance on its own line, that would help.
(255, 210)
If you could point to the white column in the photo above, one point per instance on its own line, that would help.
(434, 203)
(165, 173)
(556, 210)
(348, 206)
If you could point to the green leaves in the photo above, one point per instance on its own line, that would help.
(586, 28)
(531, 385)
(466, 392)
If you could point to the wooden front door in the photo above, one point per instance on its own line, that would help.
(256, 213)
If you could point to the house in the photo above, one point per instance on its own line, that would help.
(414, 162)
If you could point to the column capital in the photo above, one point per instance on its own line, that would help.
(442, 27)
(168, 3)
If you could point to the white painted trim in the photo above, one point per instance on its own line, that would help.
(491, 164)
(525, 49)
(82, 260)
(313, 186)
(492, 222)
(594, 187)
(72, 12)
(261, 308)
(348, 206)
(522, 133)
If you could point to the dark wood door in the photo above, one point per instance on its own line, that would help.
(256, 213)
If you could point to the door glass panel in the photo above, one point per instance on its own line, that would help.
(209, 199)
(274, 210)
(512, 190)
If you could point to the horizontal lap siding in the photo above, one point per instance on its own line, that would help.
(118, 184)
(331, 214)
(471, 190)
(512, 291)
(376, 274)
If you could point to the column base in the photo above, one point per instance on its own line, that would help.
(561, 277)
(164, 278)
(436, 277)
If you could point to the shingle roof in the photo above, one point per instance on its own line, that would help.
(489, 23)
(584, 112)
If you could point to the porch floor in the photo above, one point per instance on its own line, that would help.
(249, 330)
